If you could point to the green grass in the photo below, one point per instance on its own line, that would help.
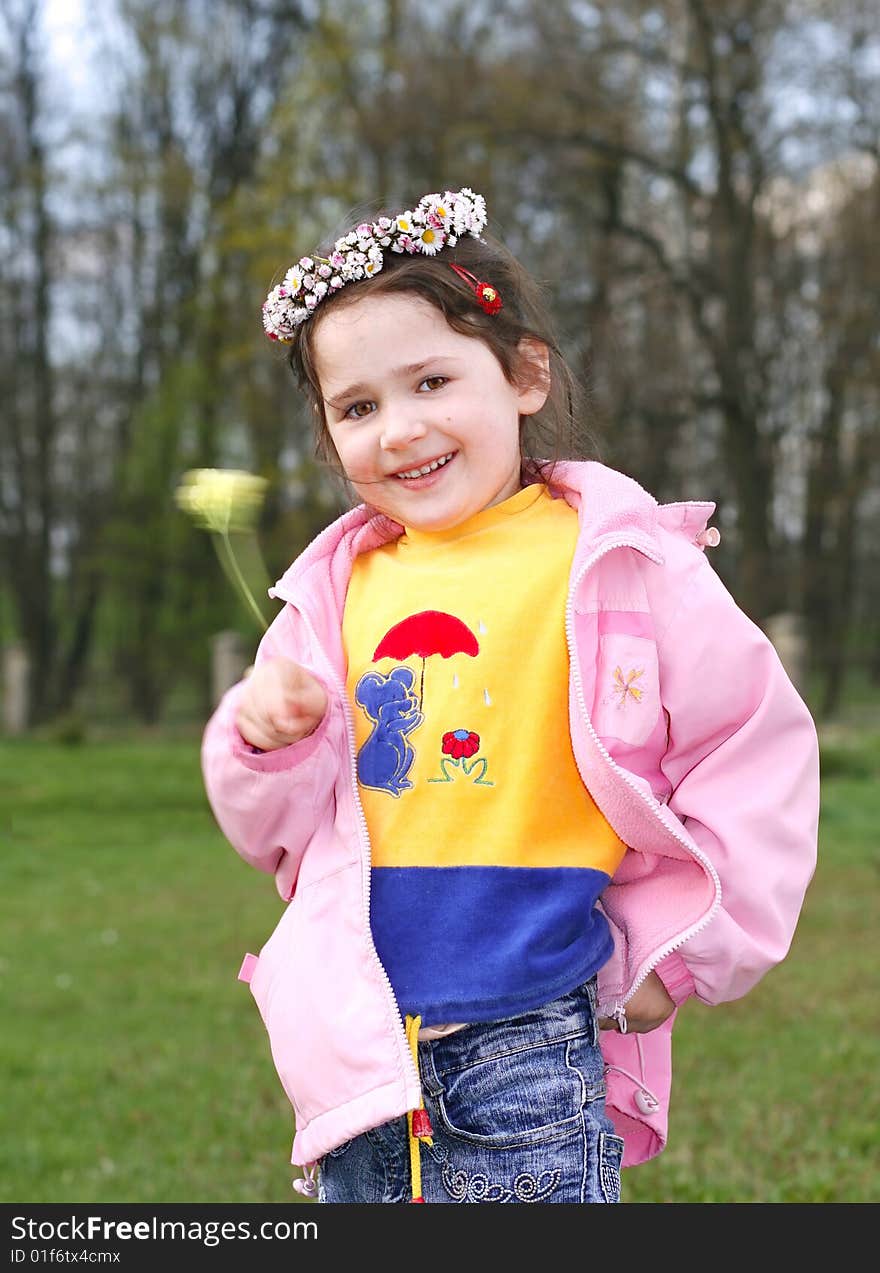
(135, 1067)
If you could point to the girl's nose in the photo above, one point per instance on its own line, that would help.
(399, 428)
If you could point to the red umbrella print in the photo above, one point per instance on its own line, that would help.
(429, 632)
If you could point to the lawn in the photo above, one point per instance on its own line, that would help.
(135, 1067)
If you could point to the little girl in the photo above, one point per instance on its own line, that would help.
(525, 774)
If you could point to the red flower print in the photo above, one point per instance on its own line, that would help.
(460, 742)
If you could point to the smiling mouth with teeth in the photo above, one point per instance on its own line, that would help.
(426, 468)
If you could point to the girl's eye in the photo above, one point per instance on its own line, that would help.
(354, 411)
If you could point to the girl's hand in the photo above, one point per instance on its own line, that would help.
(280, 704)
(649, 1007)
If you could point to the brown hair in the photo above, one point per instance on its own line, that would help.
(551, 434)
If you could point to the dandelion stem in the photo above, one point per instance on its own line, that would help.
(240, 579)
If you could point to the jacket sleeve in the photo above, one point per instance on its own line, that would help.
(743, 764)
(268, 804)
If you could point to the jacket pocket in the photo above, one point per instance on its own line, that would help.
(626, 704)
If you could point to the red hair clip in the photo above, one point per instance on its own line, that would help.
(486, 294)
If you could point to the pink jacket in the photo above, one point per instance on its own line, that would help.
(710, 776)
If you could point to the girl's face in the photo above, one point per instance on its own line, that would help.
(403, 392)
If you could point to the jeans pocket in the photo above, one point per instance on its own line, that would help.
(610, 1156)
(340, 1149)
(522, 1097)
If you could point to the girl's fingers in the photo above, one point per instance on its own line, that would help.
(281, 704)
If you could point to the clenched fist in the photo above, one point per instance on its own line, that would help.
(280, 704)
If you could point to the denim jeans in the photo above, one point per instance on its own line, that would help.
(517, 1108)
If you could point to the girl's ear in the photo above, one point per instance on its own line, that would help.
(532, 374)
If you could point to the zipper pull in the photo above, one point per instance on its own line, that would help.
(619, 1015)
(306, 1184)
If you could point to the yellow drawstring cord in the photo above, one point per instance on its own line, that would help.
(413, 1024)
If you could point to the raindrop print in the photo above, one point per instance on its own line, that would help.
(486, 699)
(455, 680)
(482, 627)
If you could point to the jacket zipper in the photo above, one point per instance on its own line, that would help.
(617, 1010)
(366, 855)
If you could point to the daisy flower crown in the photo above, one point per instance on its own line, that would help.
(437, 222)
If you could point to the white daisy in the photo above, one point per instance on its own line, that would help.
(430, 241)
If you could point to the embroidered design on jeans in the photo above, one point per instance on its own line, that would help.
(624, 686)
(610, 1178)
(463, 1187)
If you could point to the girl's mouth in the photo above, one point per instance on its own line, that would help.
(425, 474)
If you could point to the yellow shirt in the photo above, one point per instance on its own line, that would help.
(458, 672)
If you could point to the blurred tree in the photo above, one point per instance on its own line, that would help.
(667, 102)
(190, 126)
(844, 457)
(29, 421)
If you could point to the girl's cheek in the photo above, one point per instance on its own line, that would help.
(341, 444)
(355, 459)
